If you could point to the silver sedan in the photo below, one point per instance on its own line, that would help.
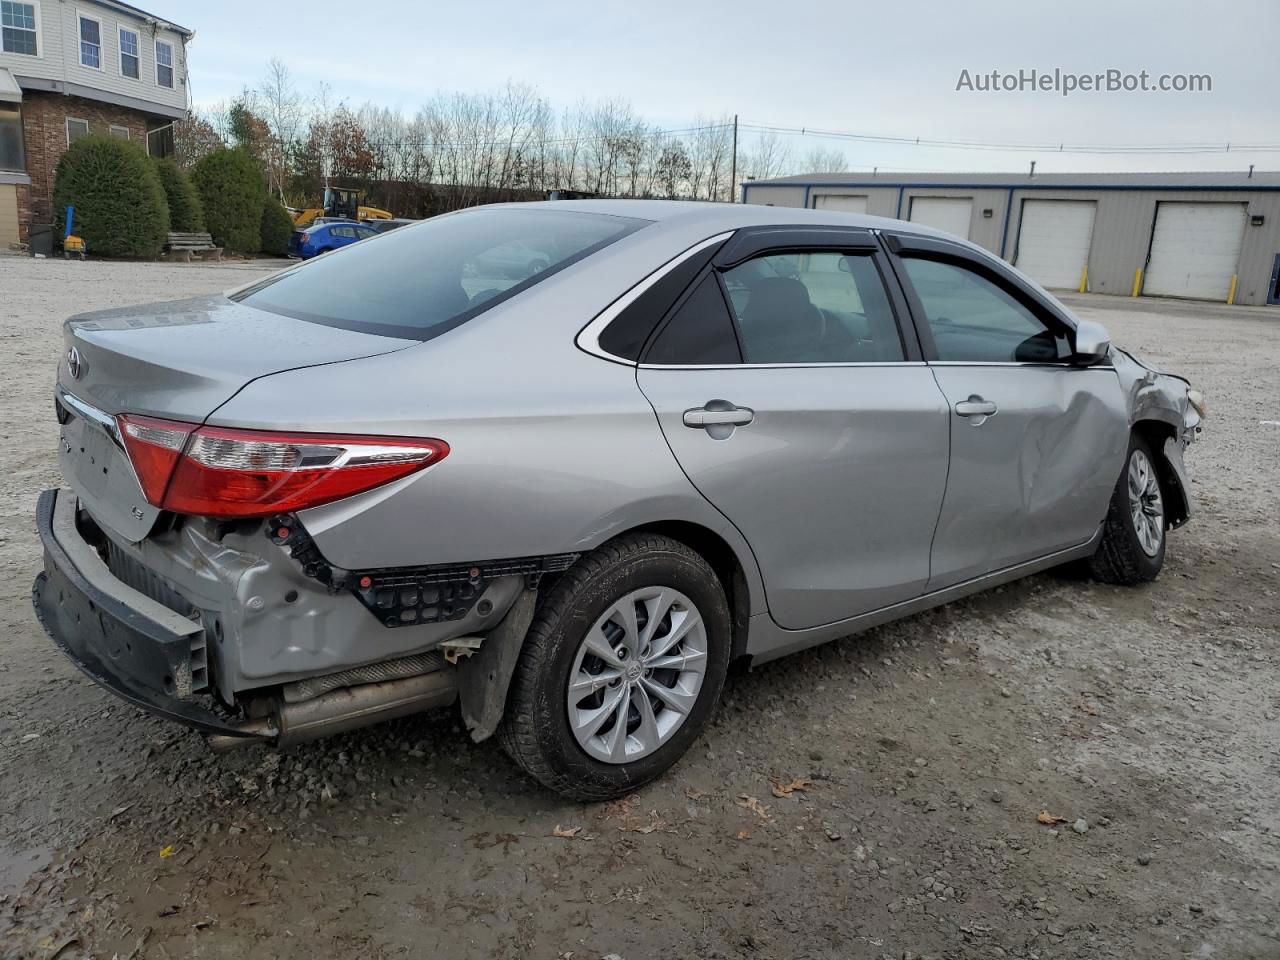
(570, 498)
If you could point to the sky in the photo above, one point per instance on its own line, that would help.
(885, 68)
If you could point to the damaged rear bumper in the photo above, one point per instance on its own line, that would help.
(126, 642)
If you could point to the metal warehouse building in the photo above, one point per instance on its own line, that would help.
(1205, 236)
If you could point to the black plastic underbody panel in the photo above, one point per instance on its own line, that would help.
(405, 596)
(114, 645)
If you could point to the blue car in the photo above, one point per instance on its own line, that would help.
(323, 237)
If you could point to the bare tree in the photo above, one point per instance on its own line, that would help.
(280, 105)
(823, 160)
(767, 157)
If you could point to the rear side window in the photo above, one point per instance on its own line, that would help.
(813, 307)
(699, 332)
(426, 278)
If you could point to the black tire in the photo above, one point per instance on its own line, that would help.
(535, 729)
(1120, 558)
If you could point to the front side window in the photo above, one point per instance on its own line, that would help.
(426, 278)
(18, 33)
(120, 133)
(973, 320)
(128, 53)
(813, 307)
(164, 63)
(90, 43)
(11, 155)
(76, 129)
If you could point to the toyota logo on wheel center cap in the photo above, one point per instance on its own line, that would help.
(73, 363)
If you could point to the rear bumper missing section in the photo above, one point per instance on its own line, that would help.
(123, 640)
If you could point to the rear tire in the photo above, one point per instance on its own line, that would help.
(587, 715)
(1134, 533)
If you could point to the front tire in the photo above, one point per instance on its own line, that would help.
(1134, 533)
(621, 669)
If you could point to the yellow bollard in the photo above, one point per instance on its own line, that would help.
(1231, 294)
(1137, 282)
(1084, 279)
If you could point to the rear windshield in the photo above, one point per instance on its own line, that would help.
(426, 278)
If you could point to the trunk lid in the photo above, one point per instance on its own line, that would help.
(180, 361)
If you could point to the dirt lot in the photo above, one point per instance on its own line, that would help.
(1148, 718)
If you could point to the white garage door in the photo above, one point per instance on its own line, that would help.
(828, 201)
(1195, 250)
(1053, 241)
(951, 214)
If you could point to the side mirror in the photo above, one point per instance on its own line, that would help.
(1092, 343)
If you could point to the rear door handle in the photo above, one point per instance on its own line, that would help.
(718, 413)
(976, 406)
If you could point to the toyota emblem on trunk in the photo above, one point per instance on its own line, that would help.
(73, 363)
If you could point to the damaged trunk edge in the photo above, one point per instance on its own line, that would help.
(373, 653)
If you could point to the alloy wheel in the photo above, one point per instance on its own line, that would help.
(1145, 503)
(637, 674)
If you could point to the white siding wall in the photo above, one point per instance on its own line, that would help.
(59, 53)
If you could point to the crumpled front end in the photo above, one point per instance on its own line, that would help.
(1171, 412)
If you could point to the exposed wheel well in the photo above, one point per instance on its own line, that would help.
(1156, 433)
(716, 551)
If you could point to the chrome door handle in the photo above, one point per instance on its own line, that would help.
(975, 406)
(718, 413)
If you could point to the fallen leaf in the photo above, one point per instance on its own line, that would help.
(781, 789)
(744, 834)
(1047, 818)
(166, 852)
(483, 841)
(620, 809)
(755, 806)
(568, 833)
(169, 911)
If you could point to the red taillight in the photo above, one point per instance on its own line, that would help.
(225, 472)
(154, 447)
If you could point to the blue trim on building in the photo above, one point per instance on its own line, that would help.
(891, 184)
(1004, 229)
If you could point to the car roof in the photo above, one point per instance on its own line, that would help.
(732, 216)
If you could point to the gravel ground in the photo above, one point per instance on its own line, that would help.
(1147, 718)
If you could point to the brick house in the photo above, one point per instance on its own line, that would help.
(73, 67)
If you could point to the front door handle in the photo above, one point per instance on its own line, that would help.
(709, 416)
(976, 406)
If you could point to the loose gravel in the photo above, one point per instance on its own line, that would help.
(878, 797)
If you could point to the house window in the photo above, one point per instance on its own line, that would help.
(128, 53)
(19, 28)
(164, 63)
(120, 133)
(76, 129)
(90, 43)
(160, 141)
(11, 157)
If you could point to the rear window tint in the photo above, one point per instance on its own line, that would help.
(429, 277)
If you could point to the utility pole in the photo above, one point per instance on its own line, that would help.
(733, 164)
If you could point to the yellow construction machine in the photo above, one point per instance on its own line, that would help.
(342, 202)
